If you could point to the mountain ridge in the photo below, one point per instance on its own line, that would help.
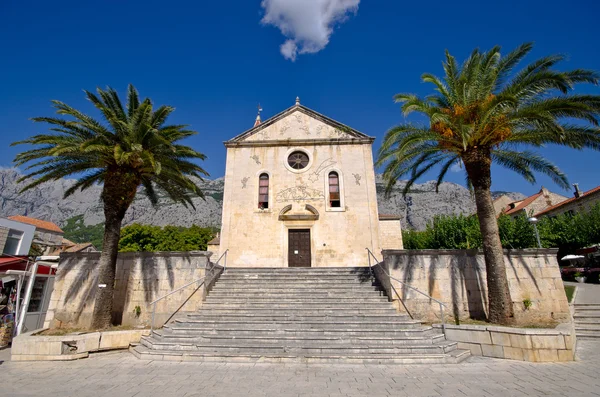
(46, 202)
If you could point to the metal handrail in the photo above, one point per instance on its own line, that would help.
(182, 287)
(224, 254)
(169, 294)
(370, 254)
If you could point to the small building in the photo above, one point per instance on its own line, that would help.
(70, 246)
(48, 236)
(580, 202)
(300, 192)
(15, 237)
(533, 204)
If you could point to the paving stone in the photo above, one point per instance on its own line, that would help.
(121, 374)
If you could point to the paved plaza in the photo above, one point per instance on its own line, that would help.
(121, 374)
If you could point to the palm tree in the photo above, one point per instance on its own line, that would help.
(132, 148)
(483, 112)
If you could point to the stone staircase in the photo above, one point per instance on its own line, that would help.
(587, 320)
(298, 315)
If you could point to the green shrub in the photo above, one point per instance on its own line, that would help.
(136, 238)
(566, 232)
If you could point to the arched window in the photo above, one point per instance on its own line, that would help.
(334, 190)
(263, 191)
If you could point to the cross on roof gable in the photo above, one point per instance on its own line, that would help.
(344, 131)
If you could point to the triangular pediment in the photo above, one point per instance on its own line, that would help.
(299, 123)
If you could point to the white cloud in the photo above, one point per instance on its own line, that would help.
(307, 24)
(457, 167)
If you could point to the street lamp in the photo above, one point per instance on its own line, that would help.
(533, 220)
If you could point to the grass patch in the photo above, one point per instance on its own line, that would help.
(67, 331)
(570, 291)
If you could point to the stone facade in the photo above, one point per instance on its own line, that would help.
(3, 236)
(522, 344)
(390, 233)
(141, 278)
(300, 198)
(580, 203)
(458, 279)
(533, 204)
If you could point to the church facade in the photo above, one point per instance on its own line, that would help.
(300, 192)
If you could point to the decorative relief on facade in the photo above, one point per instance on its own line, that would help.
(285, 125)
(304, 128)
(263, 134)
(314, 176)
(256, 159)
(320, 128)
(337, 133)
(244, 181)
(357, 179)
(299, 193)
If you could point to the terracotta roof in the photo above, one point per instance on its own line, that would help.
(387, 217)
(568, 201)
(67, 242)
(522, 204)
(72, 248)
(38, 223)
(214, 241)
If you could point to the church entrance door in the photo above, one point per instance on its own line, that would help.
(299, 248)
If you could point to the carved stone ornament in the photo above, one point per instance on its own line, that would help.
(299, 193)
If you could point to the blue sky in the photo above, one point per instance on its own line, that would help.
(215, 61)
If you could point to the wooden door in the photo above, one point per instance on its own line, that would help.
(299, 247)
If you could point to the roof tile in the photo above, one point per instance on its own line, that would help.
(38, 223)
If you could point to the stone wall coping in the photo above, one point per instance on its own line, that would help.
(471, 252)
(164, 254)
(507, 330)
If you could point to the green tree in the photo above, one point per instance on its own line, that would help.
(481, 113)
(136, 238)
(77, 231)
(131, 148)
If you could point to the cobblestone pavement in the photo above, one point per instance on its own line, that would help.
(121, 374)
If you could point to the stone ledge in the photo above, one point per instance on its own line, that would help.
(32, 347)
(471, 252)
(122, 255)
(523, 344)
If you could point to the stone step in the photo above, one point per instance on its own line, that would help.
(292, 300)
(299, 347)
(286, 331)
(334, 317)
(453, 357)
(299, 287)
(294, 306)
(300, 294)
(298, 276)
(587, 334)
(297, 311)
(299, 341)
(285, 269)
(587, 327)
(587, 315)
(306, 324)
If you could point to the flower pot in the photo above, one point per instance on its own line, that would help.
(580, 279)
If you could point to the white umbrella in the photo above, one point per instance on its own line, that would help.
(572, 257)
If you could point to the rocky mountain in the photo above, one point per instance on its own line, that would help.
(46, 202)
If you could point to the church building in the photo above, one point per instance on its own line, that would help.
(300, 192)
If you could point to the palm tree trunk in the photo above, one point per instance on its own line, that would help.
(117, 195)
(478, 167)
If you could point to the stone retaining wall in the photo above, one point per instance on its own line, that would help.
(524, 344)
(141, 278)
(458, 279)
(32, 347)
